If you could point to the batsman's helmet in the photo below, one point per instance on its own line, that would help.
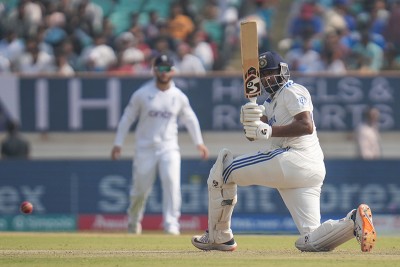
(274, 72)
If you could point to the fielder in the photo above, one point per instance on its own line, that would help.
(157, 106)
(292, 161)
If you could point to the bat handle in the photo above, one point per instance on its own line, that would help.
(253, 99)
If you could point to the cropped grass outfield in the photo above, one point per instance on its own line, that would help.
(150, 249)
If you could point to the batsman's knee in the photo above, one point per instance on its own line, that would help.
(215, 179)
(229, 192)
(224, 196)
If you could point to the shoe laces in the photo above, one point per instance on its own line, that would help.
(204, 238)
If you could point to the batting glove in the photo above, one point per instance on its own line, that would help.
(257, 130)
(251, 112)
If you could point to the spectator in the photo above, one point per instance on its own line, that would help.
(44, 46)
(124, 40)
(379, 17)
(392, 57)
(99, 57)
(266, 11)
(67, 47)
(16, 20)
(187, 62)
(332, 54)
(130, 61)
(34, 61)
(62, 66)
(132, 53)
(141, 45)
(337, 19)
(368, 137)
(368, 55)
(14, 146)
(162, 45)
(90, 12)
(33, 15)
(5, 65)
(180, 26)
(229, 20)
(203, 50)
(304, 59)
(151, 30)
(190, 9)
(307, 21)
(55, 33)
(392, 36)
(109, 32)
(11, 47)
(211, 23)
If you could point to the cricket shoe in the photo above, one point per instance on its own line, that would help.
(172, 232)
(203, 242)
(364, 229)
(135, 228)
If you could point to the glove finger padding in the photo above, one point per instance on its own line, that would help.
(250, 129)
(251, 118)
(250, 112)
(250, 105)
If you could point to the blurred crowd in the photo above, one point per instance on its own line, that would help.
(70, 36)
(341, 35)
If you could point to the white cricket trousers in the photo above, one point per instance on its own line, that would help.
(298, 179)
(146, 165)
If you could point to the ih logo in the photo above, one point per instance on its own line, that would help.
(252, 83)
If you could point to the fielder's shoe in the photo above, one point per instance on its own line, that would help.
(172, 232)
(135, 228)
(364, 229)
(202, 242)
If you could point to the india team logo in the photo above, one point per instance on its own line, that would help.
(302, 100)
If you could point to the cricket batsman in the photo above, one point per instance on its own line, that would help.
(291, 161)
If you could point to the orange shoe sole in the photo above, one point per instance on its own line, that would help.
(368, 237)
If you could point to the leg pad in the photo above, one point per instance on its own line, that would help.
(220, 208)
(327, 236)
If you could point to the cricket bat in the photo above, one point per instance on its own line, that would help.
(249, 53)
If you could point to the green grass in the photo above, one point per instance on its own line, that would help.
(150, 249)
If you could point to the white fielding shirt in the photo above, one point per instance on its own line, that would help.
(158, 113)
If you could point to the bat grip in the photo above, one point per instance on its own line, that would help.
(253, 99)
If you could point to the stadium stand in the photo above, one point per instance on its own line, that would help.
(283, 26)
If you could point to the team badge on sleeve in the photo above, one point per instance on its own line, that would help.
(302, 100)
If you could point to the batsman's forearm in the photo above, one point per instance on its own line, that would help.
(296, 128)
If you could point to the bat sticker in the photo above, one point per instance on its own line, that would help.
(252, 83)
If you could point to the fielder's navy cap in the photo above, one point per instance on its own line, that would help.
(163, 60)
(269, 61)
